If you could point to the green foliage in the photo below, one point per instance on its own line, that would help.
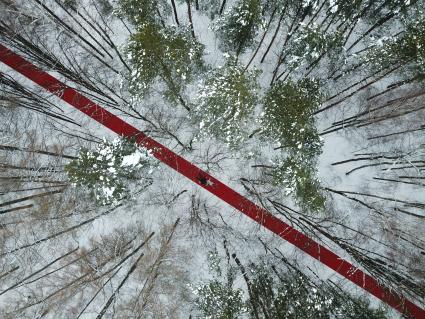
(277, 6)
(288, 296)
(71, 4)
(299, 180)
(347, 9)
(167, 54)
(348, 307)
(380, 9)
(217, 298)
(139, 12)
(107, 171)
(219, 301)
(226, 101)
(105, 7)
(311, 43)
(210, 7)
(294, 295)
(407, 49)
(371, 11)
(239, 25)
(276, 292)
(288, 117)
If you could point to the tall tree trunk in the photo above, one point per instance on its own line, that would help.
(189, 13)
(274, 36)
(223, 5)
(173, 3)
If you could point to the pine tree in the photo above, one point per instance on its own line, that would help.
(168, 55)
(288, 117)
(107, 170)
(311, 43)
(239, 25)
(210, 7)
(218, 298)
(226, 102)
(406, 49)
(139, 12)
(287, 295)
(282, 294)
(299, 180)
(70, 3)
(105, 7)
(274, 292)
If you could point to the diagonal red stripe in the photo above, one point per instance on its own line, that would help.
(222, 191)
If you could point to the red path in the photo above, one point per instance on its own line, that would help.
(225, 193)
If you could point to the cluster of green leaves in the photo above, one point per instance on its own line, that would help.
(218, 298)
(210, 7)
(287, 296)
(167, 54)
(293, 295)
(105, 7)
(278, 293)
(226, 101)
(288, 118)
(310, 43)
(379, 9)
(238, 26)
(107, 171)
(139, 12)
(71, 4)
(299, 180)
(370, 10)
(407, 49)
(276, 6)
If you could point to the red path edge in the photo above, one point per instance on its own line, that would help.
(222, 191)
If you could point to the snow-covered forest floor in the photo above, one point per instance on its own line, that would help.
(313, 109)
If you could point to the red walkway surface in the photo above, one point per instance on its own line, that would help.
(214, 186)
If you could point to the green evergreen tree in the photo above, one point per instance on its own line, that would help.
(72, 4)
(168, 55)
(210, 7)
(310, 43)
(277, 6)
(288, 117)
(288, 295)
(406, 49)
(105, 7)
(275, 292)
(139, 12)
(238, 26)
(218, 298)
(299, 180)
(107, 171)
(380, 9)
(226, 102)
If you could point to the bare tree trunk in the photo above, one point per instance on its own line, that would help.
(57, 234)
(189, 13)
(130, 271)
(223, 5)
(38, 271)
(262, 40)
(173, 3)
(22, 199)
